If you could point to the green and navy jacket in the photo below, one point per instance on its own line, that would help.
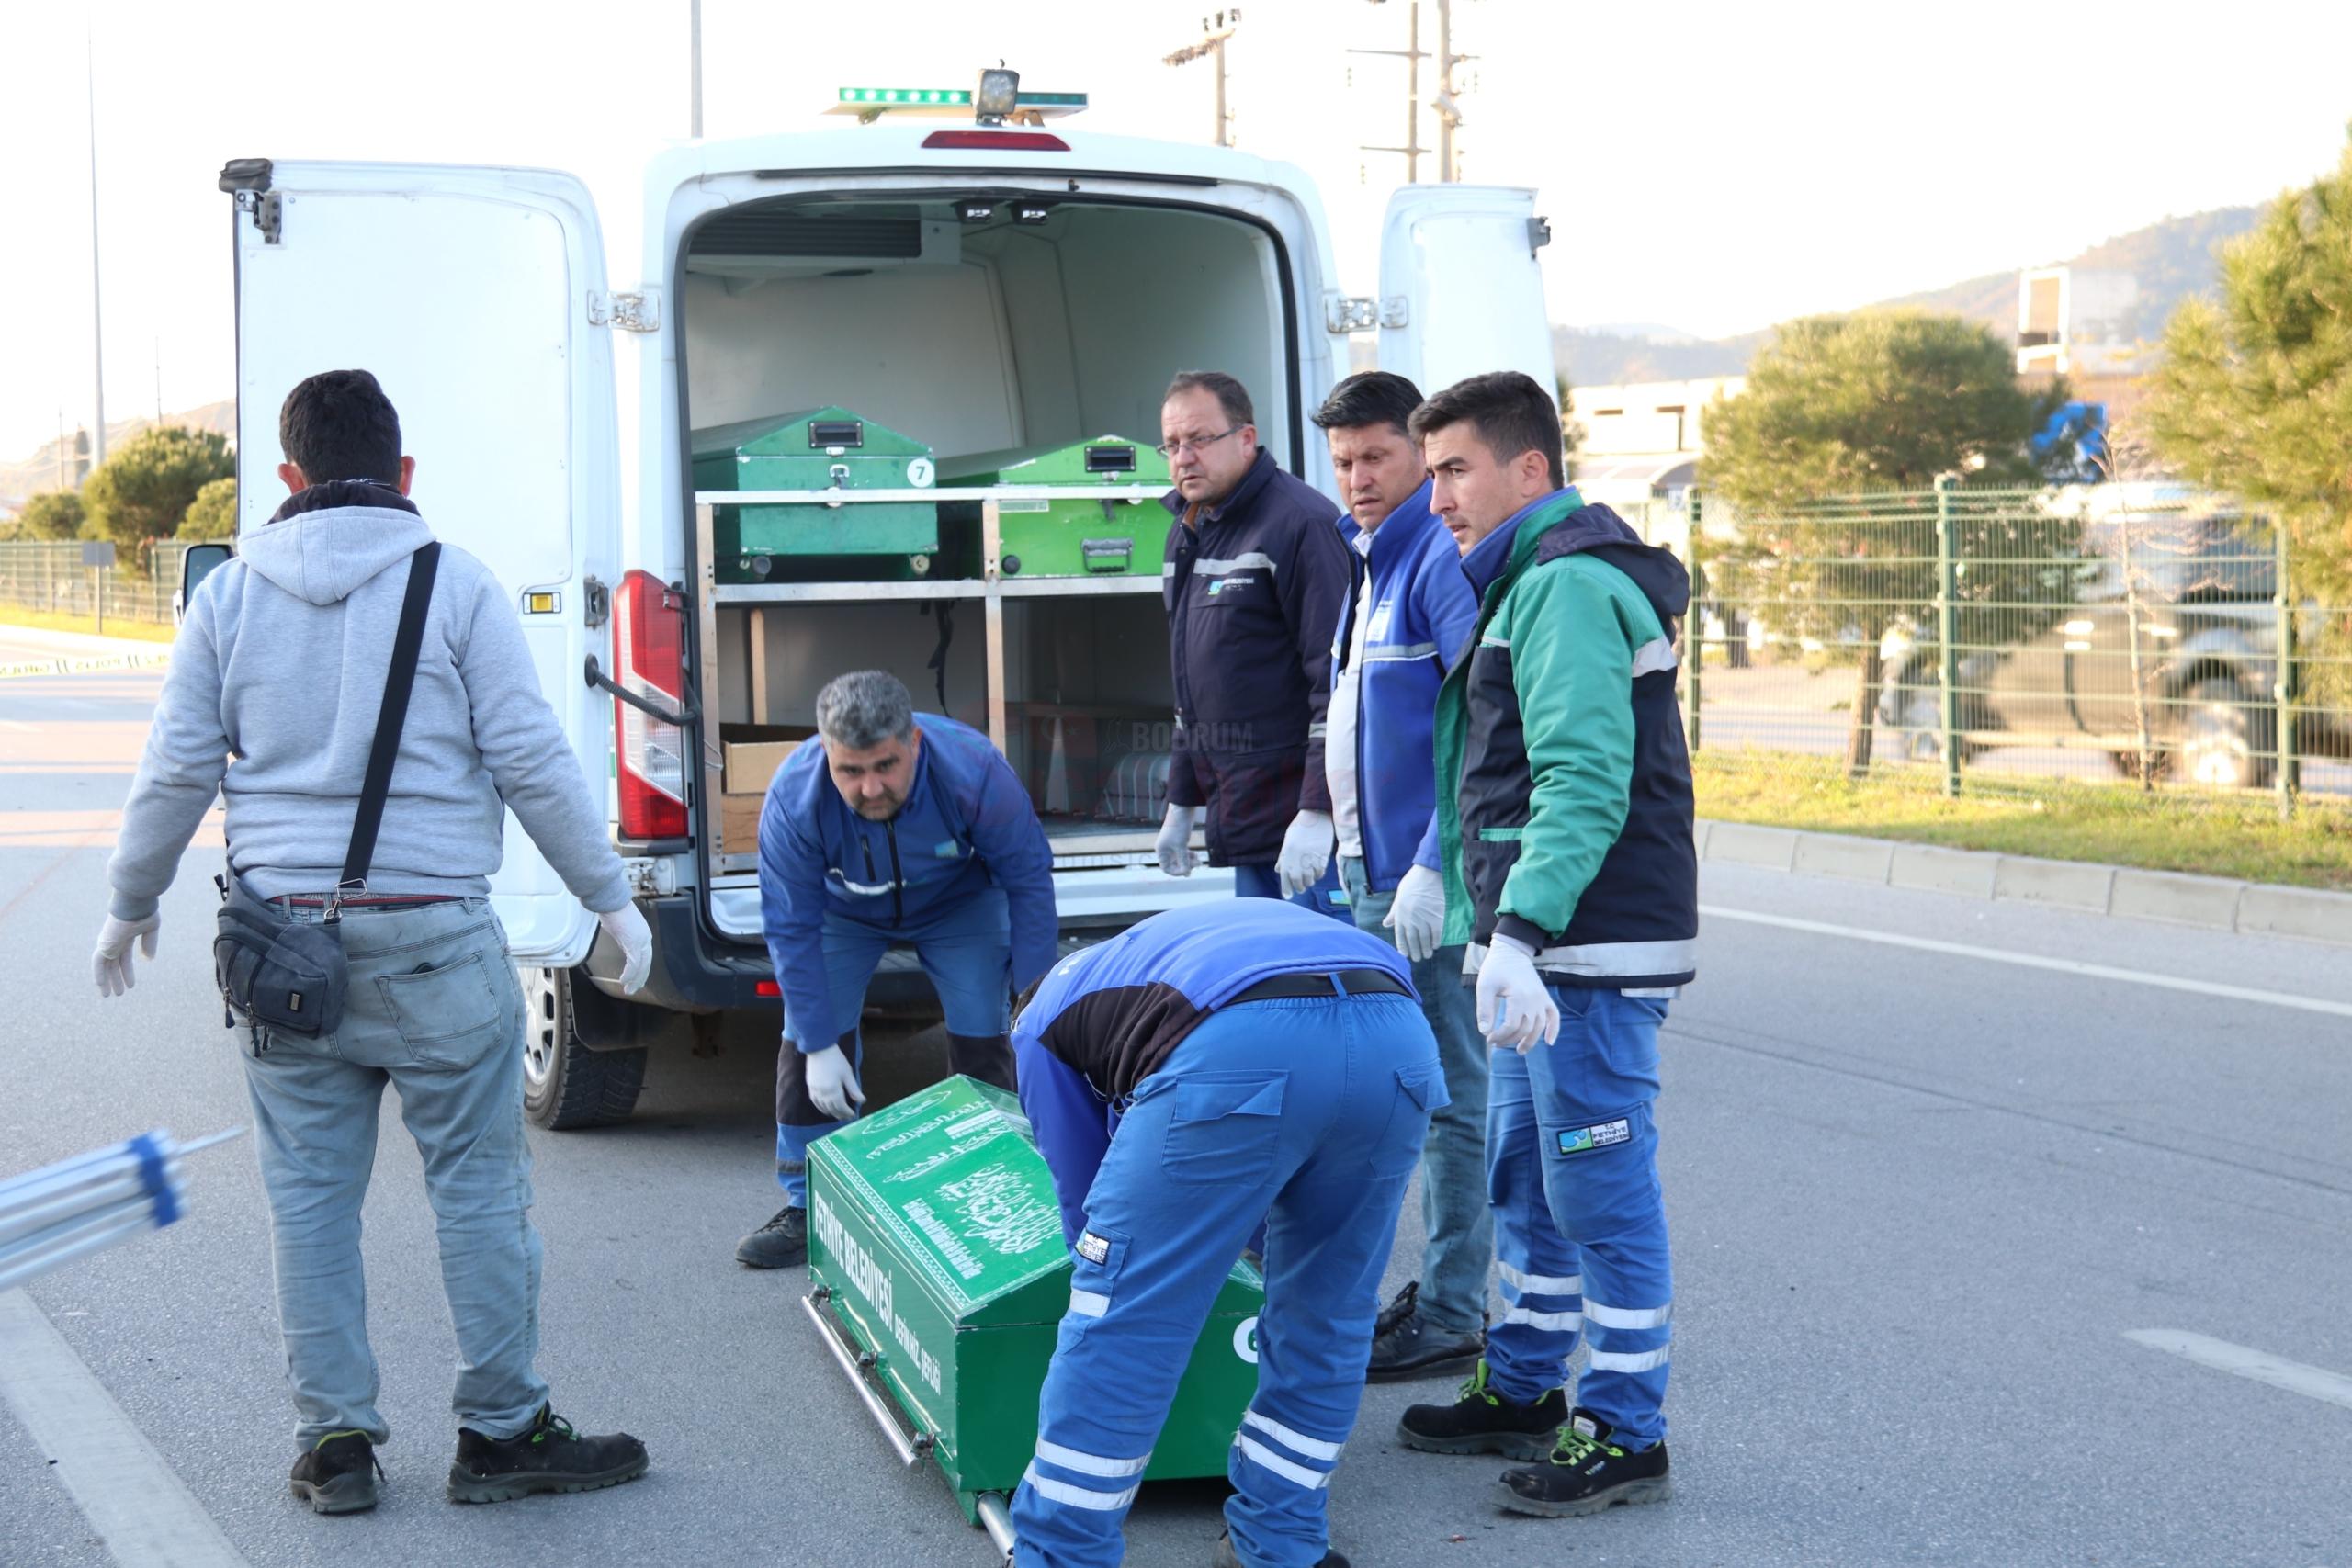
(1567, 824)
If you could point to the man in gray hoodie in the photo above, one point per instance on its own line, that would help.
(277, 680)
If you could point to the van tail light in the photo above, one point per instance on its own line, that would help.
(650, 658)
(996, 141)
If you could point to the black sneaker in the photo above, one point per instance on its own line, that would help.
(1483, 1422)
(779, 1244)
(1225, 1557)
(1406, 1345)
(338, 1475)
(548, 1456)
(1585, 1473)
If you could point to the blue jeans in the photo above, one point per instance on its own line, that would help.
(1307, 1114)
(1455, 1220)
(435, 1011)
(1264, 881)
(966, 951)
(1579, 1218)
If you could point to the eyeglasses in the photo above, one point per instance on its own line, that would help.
(1178, 448)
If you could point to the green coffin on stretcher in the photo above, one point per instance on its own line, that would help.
(1082, 536)
(935, 1251)
(827, 448)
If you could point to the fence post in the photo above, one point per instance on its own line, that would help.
(1948, 635)
(2289, 775)
(1694, 639)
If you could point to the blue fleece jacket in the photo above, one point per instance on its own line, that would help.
(967, 825)
(1421, 612)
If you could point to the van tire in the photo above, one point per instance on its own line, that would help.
(566, 1085)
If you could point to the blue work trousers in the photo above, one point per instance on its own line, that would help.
(1307, 1114)
(965, 949)
(1264, 881)
(1579, 1218)
(1457, 1224)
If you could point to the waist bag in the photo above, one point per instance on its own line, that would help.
(289, 976)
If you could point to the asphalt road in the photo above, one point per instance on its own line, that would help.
(1921, 1198)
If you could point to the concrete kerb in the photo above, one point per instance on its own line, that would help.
(2211, 902)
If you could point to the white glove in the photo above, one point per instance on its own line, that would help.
(1305, 852)
(1418, 913)
(833, 1082)
(110, 964)
(1175, 843)
(1514, 1009)
(635, 939)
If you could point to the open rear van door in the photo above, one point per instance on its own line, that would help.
(1460, 288)
(468, 292)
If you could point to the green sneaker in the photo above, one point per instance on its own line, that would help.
(1481, 1421)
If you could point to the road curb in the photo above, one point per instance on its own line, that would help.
(2213, 903)
(67, 664)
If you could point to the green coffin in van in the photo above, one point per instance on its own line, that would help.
(1082, 536)
(827, 448)
(936, 1257)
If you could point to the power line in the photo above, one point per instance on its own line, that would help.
(1217, 31)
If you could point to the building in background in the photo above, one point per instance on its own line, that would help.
(1640, 447)
(2081, 322)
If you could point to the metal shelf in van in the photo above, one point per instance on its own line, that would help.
(992, 589)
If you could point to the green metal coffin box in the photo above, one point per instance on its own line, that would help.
(827, 448)
(1082, 536)
(938, 1271)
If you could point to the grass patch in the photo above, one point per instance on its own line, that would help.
(2237, 836)
(40, 620)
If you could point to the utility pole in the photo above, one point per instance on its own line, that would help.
(97, 330)
(159, 383)
(1412, 56)
(1449, 113)
(694, 57)
(1216, 30)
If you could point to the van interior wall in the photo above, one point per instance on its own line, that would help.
(804, 645)
(1033, 335)
(1086, 685)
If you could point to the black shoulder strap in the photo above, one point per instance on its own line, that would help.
(397, 681)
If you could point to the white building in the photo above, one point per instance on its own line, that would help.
(2077, 322)
(1642, 440)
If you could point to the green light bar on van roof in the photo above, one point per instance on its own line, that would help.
(868, 103)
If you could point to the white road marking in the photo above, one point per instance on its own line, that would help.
(2315, 1382)
(147, 1518)
(2035, 961)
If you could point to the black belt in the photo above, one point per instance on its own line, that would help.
(1352, 982)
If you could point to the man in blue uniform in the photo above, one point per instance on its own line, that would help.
(1207, 1071)
(1565, 810)
(879, 831)
(1405, 628)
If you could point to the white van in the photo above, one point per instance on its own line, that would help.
(981, 287)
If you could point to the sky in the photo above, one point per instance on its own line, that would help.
(1715, 165)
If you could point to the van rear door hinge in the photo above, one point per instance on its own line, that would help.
(1355, 313)
(638, 312)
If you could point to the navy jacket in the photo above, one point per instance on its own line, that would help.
(1108, 1017)
(966, 825)
(1252, 589)
(1421, 612)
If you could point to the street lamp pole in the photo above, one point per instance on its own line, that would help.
(693, 52)
(97, 329)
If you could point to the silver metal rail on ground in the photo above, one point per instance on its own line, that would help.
(989, 1505)
(860, 1367)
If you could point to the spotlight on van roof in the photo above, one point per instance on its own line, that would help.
(999, 95)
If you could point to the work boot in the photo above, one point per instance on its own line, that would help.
(1585, 1473)
(1406, 1345)
(546, 1456)
(338, 1475)
(1225, 1557)
(1483, 1422)
(779, 1244)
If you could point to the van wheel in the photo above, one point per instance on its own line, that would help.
(2226, 738)
(565, 1085)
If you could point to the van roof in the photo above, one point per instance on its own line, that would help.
(899, 149)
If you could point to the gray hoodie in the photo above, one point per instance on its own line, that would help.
(275, 682)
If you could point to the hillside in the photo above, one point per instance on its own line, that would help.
(30, 476)
(2174, 259)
